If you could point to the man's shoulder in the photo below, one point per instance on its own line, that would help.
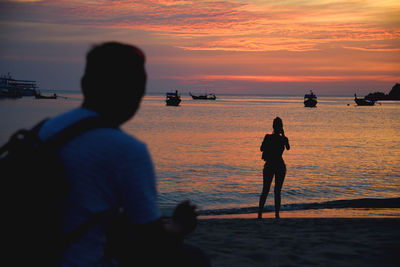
(62, 121)
(115, 137)
(101, 137)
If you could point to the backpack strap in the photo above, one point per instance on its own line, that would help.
(75, 129)
(58, 139)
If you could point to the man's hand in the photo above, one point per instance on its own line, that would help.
(185, 217)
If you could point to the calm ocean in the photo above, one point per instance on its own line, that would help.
(208, 151)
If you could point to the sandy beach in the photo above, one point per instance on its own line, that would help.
(300, 241)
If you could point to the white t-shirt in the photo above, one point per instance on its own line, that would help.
(105, 168)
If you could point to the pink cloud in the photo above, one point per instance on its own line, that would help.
(226, 25)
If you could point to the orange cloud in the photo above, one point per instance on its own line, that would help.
(257, 41)
(374, 48)
(231, 25)
(24, 1)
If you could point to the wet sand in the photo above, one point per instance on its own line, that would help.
(299, 241)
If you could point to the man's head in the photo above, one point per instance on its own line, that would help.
(114, 81)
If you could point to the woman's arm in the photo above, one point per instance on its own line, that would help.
(262, 144)
(287, 143)
(286, 140)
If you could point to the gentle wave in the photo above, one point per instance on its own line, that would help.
(336, 204)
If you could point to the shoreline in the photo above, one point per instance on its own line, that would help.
(317, 241)
(315, 213)
(346, 208)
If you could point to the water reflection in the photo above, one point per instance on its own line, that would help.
(338, 151)
(209, 152)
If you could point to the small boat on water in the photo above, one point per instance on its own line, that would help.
(203, 97)
(310, 100)
(40, 96)
(173, 99)
(363, 101)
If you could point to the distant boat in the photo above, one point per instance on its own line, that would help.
(363, 101)
(203, 97)
(310, 100)
(173, 99)
(40, 96)
(12, 88)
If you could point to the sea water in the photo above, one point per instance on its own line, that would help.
(208, 151)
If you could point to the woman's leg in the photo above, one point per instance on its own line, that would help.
(279, 178)
(268, 174)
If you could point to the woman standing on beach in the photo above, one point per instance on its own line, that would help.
(272, 147)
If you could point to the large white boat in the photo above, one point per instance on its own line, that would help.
(12, 88)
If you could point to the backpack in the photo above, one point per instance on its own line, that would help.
(34, 188)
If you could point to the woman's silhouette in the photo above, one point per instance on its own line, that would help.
(272, 148)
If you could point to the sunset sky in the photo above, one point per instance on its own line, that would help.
(240, 47)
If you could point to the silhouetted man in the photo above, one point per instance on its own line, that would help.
(107, 168)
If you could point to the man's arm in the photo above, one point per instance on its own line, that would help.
(137, 188)
(169, 231)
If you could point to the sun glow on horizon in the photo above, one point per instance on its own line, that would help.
(299, 78)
